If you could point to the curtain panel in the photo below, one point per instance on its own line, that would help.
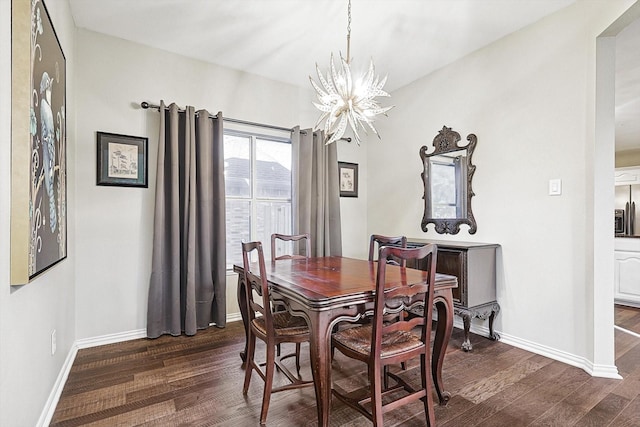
(316, 191)
(187, 289)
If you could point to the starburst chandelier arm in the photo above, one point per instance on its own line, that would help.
(321, 93)
(353, 122)
(372, 127)
(342, 126)
(320, 120)
(347, 78)
(330, 89)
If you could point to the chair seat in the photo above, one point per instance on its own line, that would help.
(284, 324)
(358, 339)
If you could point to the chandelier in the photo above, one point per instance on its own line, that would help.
(345, 99)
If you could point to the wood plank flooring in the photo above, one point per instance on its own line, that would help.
(197, 381)
(628, 318)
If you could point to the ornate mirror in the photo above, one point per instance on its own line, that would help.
(447, 182)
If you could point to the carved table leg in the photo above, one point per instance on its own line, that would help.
(242, 302)
(444, 307)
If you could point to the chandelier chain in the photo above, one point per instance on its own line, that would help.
(349, 33)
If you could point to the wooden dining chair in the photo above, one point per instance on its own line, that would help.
(290, 238)
(381, 343)
(274, 328)
(379, 240)
(294, 238)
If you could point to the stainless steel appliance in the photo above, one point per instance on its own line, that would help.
(619, 221)
(626, 211)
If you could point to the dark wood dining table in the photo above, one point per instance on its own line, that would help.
(328, 290)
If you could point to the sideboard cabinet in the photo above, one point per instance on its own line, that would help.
(474, 264)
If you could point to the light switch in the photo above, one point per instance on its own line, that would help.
(555, 187)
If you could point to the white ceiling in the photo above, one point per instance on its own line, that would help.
(283, 39)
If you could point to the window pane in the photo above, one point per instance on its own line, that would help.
(272, 217)
(238, 229)
(273, 169)
(237, 166)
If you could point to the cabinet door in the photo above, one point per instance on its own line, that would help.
(453, 262)
(627, 176)
(627, 276)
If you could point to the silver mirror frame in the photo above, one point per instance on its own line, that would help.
(447, 141)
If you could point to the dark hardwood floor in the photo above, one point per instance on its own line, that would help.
(197, 381)
(628, 318)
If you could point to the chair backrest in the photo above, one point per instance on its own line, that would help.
(256, 284)
(400, 241)
(404, 296)
(290, 238)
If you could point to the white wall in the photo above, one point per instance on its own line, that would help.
(114, 224)
(29, 313)
(530, 99)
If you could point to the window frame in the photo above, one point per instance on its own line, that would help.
(253, 198)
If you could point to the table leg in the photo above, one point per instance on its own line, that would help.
(444, 305)
(242, 302)
(320, 355)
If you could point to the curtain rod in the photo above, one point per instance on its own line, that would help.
(146, 105)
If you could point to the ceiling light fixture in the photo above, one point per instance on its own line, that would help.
(347, 100)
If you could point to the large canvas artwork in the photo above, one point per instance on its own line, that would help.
(38, 145)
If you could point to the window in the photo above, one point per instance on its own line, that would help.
(257, 172)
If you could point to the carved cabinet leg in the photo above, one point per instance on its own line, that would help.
(466, 320)
(492, 333)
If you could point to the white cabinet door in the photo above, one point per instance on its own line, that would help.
(627, 176)
(627, 277)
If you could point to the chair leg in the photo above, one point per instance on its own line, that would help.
(427, 384)
(249, 363)
(375, 380)
(298, 358)
(268, 382)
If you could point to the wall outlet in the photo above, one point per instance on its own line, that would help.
(53, 342)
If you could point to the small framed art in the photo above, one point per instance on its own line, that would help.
(348, 179)
(122, 160)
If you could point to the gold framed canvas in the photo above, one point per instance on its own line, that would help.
(38, 143)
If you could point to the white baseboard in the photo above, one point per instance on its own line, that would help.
(111, 338)
(604, 371)
(626, 331)
(54, 396)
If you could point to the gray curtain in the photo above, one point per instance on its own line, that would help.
(316, 192)
(187, 289)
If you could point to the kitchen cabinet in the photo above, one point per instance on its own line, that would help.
(627, 176)
(627, 272)
(474, 264)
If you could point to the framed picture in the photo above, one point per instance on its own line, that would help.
(38, 143)
(348, 179)
(122, 160)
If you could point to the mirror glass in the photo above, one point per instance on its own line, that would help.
(447, 182)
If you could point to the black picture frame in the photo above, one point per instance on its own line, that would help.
(122, 160)
(348, 179)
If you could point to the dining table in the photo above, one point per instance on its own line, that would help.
(333, 289)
